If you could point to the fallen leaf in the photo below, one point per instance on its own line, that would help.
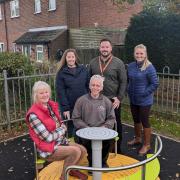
(11, 169)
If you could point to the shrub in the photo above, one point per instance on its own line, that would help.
(12, 62)
(160, 33)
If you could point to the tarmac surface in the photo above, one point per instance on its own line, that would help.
(17, 159)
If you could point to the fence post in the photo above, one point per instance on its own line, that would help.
(7, 99)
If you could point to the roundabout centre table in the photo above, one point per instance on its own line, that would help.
(96, 135)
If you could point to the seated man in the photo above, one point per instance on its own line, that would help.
(94, 110)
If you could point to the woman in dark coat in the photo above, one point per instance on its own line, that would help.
(72, 81)
(142, 82)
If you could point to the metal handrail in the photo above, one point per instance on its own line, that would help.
(119, 167)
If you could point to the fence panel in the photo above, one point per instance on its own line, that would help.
(16, 94)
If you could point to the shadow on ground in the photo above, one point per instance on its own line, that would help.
(17, 159)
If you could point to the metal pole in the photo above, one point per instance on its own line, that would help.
(143, 175)
(7, 99)
(156, 145)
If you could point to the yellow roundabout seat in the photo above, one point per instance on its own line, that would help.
(53, 170)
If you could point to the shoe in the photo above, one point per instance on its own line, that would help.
(144, 150)
(78, 174)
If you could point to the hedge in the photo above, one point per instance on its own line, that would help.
(160, 33)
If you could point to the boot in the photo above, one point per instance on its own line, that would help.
(147, 142)
(137, 140)
(78, 174)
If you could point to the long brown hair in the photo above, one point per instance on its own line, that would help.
(63, 62)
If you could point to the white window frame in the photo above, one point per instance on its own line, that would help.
(1, 47)
(52, 5)
(14, 7)
(37, 6)
(0, 13)
(38, 52)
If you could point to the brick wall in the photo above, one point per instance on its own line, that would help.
(27, 19)
(73, 13)
(106, 14)
(73, 18)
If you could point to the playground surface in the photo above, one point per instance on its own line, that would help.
(17, 159)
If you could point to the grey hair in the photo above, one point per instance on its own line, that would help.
(97, 77)
(38, 85)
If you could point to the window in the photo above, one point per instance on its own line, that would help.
(0, 13)
(26, 50)
(14, 6)
(39, 52)
(52, 5)
(1, 47)
(37, 6)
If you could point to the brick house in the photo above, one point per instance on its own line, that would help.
(38, 28)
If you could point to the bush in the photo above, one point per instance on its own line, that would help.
(160, 33)
(12, 62)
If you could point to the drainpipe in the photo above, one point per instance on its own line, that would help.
(6, 28)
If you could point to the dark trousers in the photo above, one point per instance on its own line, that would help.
(119, 127)
(87, 144)
(70, 129)
(141, 115)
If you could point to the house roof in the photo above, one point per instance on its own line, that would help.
(39, 37)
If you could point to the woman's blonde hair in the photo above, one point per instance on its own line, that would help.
(63, 62)
(146, 60)
(39, 85)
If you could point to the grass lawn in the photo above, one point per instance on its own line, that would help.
(159, 124)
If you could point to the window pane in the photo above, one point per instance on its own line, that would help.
(39, 56)
(52, 4)
(39, 48)
(37, 6)
(14, 6)
(26, 50)
(17, 7)
(39, 51)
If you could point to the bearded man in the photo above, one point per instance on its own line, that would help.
(113, 70)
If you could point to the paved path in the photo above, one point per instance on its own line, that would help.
(16, 157)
